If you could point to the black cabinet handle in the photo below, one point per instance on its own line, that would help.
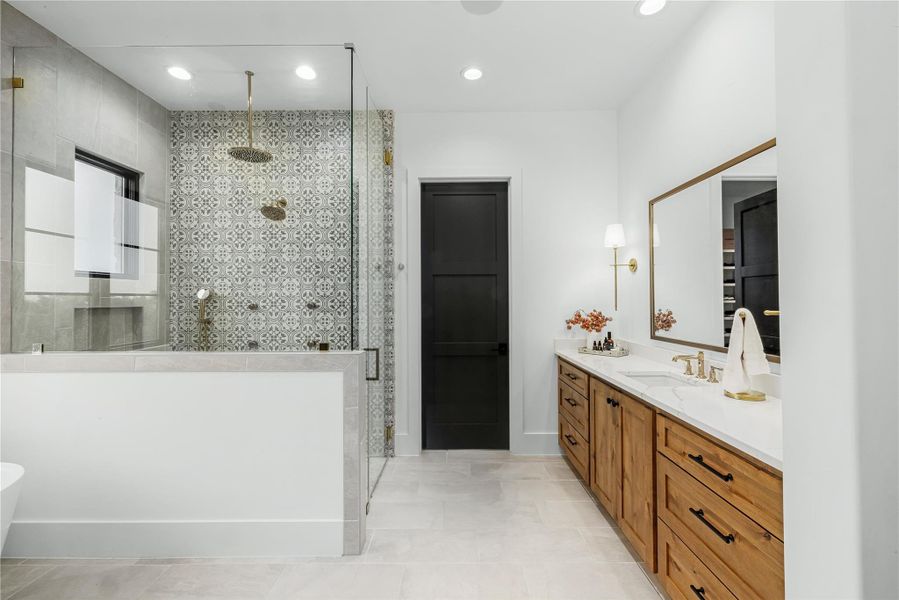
(700, 592)
(615, 403)
(570, 401)
(608, 400)
(571, 439)
(698, 460)
(699, 514)
(571, 376)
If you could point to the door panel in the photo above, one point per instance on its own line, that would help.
(755, 263)
(637, 467)
(605, 441)
(465, 315)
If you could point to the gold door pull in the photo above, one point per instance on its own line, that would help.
(771, 313)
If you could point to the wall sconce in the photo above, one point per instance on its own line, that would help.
(615, 240)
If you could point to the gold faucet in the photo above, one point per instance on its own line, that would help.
(713, 377)
(686, 358)
(700, 363)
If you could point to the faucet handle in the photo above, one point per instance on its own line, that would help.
(688, 370)
(713, 378)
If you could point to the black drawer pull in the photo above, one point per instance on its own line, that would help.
(615, 403)
(608, 400)
(700, 592)
(698, 460)
(570, 401)
(571, 439)
(701, 516)
(571, 376)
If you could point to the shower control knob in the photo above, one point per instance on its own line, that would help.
(312, 305)
(252, 306)
(252, 344)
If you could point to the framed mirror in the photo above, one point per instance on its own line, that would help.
(713, 250)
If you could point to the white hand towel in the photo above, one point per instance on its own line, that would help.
(745, 355)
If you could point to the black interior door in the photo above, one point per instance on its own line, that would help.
(755, 261)
(465, 315)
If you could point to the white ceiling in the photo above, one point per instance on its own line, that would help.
(539, 55)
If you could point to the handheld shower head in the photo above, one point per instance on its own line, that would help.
(202, 293)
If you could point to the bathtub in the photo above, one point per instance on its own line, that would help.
(10, 483)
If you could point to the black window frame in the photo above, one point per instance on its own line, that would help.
(131, 191)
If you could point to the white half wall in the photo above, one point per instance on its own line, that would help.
(562, 169)
(711, 100)
(175, 464)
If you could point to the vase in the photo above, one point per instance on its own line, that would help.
(593, 336)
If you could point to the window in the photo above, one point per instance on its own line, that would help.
(106, 219)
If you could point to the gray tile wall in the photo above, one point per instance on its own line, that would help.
(70, 101)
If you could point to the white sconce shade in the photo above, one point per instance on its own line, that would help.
(656, 238)
(615, 236)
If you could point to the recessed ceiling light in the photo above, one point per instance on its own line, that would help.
(180, 73)
(306, 72)
(650, 7)
(472, 73)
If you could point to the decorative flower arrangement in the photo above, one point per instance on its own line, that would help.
(665, 320)
(593, 322)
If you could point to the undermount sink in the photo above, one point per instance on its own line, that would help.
(658, 378)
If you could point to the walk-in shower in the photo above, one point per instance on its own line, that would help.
(132, 189)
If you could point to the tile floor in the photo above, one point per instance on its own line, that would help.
(446, 525)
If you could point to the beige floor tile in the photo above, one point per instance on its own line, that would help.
(571, 513)
(340, 582)
(596, 581)
(464, 582)
(462, 491)
(606, 544)
(395, 491)
(405, 515)
(543, 490)
(474, 455)
(507, 470)
(497, 514)
(427, 472)
(547, 544)
(559, 471)
(92, 582)
(215, 582)
(14, 577)
(417, 545)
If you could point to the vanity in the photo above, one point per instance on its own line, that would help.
(691, 477)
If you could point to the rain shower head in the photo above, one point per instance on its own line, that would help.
(275, 211)
(248, 153)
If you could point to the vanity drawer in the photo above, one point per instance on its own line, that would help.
(574, 377)
(745, 557)
(755, 491)
(683, 575)
(575, 446)
(576, 408)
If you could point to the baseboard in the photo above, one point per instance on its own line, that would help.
(169, 539)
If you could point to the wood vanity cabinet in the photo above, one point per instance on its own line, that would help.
(708, 518)
(622, 459)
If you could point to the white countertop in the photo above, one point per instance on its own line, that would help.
(755, 428)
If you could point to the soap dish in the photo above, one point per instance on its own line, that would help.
(751, 395)
(615, 353)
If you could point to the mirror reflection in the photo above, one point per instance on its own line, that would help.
(714, 250)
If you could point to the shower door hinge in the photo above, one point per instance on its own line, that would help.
(388, 157)
(16, 83)
(349, 46)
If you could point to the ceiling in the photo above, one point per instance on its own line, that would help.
(537, 55)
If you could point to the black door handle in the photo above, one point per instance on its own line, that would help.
(502, 348)
(698, 460)
(571, 439)
(700, 592)
(699, 514)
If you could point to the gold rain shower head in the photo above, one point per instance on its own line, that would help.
(275, 211)
(248, 153)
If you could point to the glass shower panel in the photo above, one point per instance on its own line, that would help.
(370, 178)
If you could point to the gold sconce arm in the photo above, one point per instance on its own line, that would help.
(630, 264)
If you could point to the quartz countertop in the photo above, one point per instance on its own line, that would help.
(755, 428)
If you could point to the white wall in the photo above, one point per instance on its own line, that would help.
(711, 100)
(562, 170)
(837, 133)
(175, 464)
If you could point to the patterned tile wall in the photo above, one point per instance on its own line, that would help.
(297, 271)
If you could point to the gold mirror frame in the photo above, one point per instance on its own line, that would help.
(652, 293)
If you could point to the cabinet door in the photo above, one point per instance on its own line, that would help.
(605, 480)
(637, 519)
